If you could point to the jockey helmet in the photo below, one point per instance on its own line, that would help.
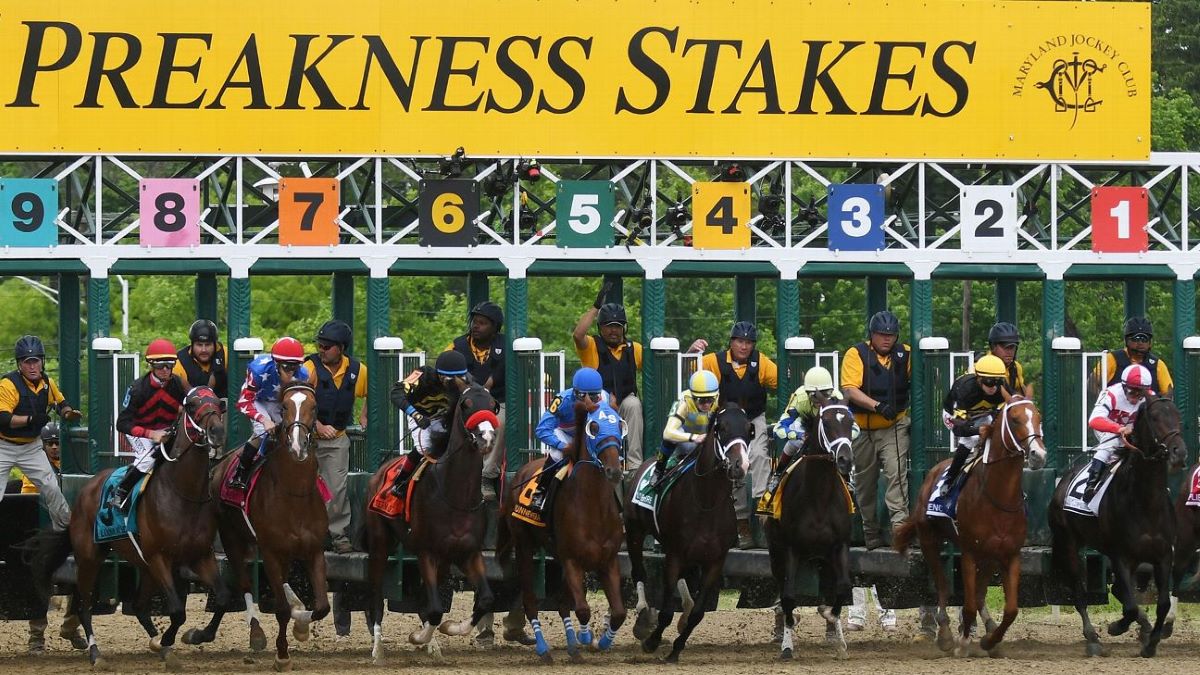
(1003, 332)
(990, 366)
(587, 381)
(451, 364)
(160, 349)
(29, 346)
(490, 311)
(611, 312)
(818, 379)
(703, 384)
(50, 432)
(884, 323)
(1136, 376)
(287, 349)
(202, 330)
(1138, 324)
(336, 332)
(744, 330)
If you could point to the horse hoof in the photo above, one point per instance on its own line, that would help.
(785, 655)
(100, 665)
(1149, 651)
(454, 628)
(485, 639)
(77, 640)
(1115, 628)
(258, 639)
(650, 645)
(301, 631)
(1167, 629)
(576, 657)
(283, 665)
(155, 644)
(547, 659)
(1092, 649)
(673, 657)
(171, 663)
(841, 654)
(642, 627)
(190, 636)
(519, 636)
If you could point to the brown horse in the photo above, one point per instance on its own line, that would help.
(1135, 524)
(991, 523)
(814, 521)
(695, 524)
(586, 537)
(1187, 544)
(176, 521)
(446, 525)
(287, 521)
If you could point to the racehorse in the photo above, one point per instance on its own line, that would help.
(990, 524)
(286, 518)
(176, 522)
(814, 520)
(695, 523)
(1187, 541)
(586, 536)
(446, 524)
(1135, 524)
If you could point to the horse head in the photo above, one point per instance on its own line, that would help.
(1020, 430)
(299, 402)
(1157, 432)
(603, 432)
(476, 411)
(729, 433)
(835, 431)
(201, 422)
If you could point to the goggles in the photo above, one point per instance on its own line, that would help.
(1134, 392)
(706, 400)
(1138, 337)
(287, 366)
(990, 381)
(593, 396)
(162, 363)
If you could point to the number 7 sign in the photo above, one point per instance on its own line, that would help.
(308, 210)
(1119, 217)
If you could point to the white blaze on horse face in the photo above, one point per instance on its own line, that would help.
(487, 434)
(296, 399)
(1037, 450)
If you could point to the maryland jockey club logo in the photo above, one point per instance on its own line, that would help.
(1077, 72)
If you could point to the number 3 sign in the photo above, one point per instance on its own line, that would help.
(1119, 217)
(170, 212)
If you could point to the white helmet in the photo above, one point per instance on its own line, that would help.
(818, 379)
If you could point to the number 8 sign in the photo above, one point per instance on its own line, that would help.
(170, 212)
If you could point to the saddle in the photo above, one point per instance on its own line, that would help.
(524, 511)
(651, 489)
(111, 524)
(241, 498)
(771, 503)
(389, 505)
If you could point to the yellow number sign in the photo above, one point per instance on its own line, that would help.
(721, 215)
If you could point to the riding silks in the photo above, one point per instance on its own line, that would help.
(389, 505)
(771, 503)
(523, 510)
(111, 524)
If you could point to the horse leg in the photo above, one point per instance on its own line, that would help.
(273, 568)
(145, 592)
(315, 566)
(69, 630)
(779, 570)
(666, 611)
(87, 568)
(635, 541)
(206, 568)
(529, 599)
(431, 615)
(1011, 582)
(930, 550)
(970, 578)
(1162, 575)
(565, 603)
(376, 565)
(611, 581)
(709, 585)
(839, 566)
(985, 616)
(162, 575)
(573, 577)
(1123, 589)
(477, 577)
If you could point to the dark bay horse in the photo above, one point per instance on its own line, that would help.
(177, 523)
(990, 523)
(1187, 545)
(1135, 524)
(586, 537)
(287, 521)
(814, 522)
(695, 523)
(446, 526)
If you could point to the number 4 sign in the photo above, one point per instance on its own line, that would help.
(988, 214)
(1119, 217)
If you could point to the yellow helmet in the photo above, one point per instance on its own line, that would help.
(703, 384)
(990, 366)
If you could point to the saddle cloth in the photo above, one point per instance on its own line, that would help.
(1074, 501)
(771, 503)
(523, 510)
(389, 505)
(1193, 498)
(646, 496)
(948, 507)
(110, 523)
(241, 498)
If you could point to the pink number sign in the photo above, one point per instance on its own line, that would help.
(170, 211)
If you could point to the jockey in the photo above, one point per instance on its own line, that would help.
(427, 396)
(1112, 419)
(970, 404)
(266, 375)
(818, 382)
(151, 406)
(556, 429)
(687, 427)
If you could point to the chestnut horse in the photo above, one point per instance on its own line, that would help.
(586, 524)
(176, 519)
(990, 524)
(286, 520)
(446, 524)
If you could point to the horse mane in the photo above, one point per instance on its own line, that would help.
(581, 420)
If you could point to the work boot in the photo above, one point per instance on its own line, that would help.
(745, 537)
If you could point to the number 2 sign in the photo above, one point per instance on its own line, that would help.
(1119, 217)
(308, 211)
(988, 214)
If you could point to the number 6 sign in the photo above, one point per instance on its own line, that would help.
(1119, 217)
(170, 212)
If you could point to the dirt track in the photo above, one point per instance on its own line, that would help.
(729, 641)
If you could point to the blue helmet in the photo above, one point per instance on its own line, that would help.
(587, 381)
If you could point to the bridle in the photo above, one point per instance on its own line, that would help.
(209, 405)
(296, 424)
(830, 445)
(1009, 438)
(721, 447)
(1161, 450)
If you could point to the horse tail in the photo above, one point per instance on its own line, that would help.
(47, 550)
(902, 536)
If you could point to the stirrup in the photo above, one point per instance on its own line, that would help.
(947, 486)
(238, 480)
(119, 499)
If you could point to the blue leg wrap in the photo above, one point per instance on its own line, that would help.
(542, 648)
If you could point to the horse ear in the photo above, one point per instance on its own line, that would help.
(224, 404)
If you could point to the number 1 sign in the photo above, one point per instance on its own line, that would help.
(988, 214)
(1119, 217)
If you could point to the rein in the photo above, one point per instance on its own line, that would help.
(440, 493)
(206, 409)
(1022, 449)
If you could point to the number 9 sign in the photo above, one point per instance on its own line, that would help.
(585, 210)
(170, 212)
(28, 208)
(855, 217)
(447, 211)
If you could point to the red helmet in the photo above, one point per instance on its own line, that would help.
(287, 349)
(160, 350)
(1136, 376)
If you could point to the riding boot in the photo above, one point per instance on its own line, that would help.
(1095, 472)
(547, 486)
(242, 473)
(960, 457)
(409, 463)
(777, 474)
(660, 470)
(120, 496)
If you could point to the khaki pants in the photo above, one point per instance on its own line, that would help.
(883, 450)
(31, 459)
(495, 459)
(630, 410)
(760, 469)
(333, 462)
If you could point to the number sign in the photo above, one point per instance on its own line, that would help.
(447, 212)
(308, 211)
(585, 210)
(28, 207)
(721, 215)
(855, 217)
(988, 214)
(170, 212)
(1119, 217)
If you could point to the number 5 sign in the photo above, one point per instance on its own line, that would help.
(308, 211)
(585, 213)
(170, 212)
(988, 214)
(1119, 217)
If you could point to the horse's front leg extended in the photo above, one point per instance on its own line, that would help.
(431, 616)
(1011, 582)
(931, 551)
(709, 585)
(666, 610)
(1162, 572)
(611, 581)
(1124, 590)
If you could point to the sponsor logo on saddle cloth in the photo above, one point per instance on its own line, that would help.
(948, 507)
(523, 510)
(389, 505)
(110, 523)
(1074, 501)
(1193, 498)
(241, 499)
(771, 503)
(646, 496)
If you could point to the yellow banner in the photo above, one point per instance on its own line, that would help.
(672, 78)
